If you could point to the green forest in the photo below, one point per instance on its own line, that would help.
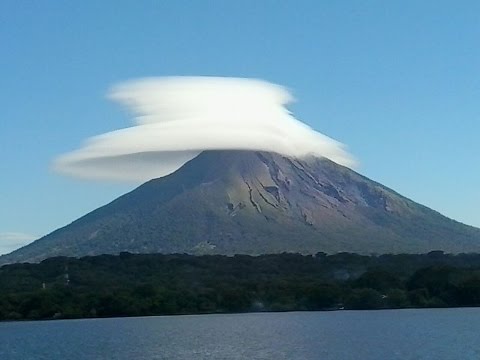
(155, 284)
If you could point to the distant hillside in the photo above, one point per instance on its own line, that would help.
(231, 202)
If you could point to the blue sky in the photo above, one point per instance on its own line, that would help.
(397, 81)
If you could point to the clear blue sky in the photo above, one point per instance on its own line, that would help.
(397, 81)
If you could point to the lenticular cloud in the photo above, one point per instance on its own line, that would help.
(177, 118)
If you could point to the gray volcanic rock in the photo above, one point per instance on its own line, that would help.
(231, 202)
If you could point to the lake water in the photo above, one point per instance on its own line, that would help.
(435, 334)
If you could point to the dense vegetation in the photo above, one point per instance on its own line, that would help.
(132, 285)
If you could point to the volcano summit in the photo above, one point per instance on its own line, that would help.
(250, 202)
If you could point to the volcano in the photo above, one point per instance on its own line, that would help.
(247, 202)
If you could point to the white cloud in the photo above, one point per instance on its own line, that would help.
(10, 241)
(176, 118)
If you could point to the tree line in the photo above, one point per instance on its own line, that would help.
(156, 284)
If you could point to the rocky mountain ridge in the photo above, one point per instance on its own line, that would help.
(231, 202)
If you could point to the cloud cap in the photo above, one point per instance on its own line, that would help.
(176, 118)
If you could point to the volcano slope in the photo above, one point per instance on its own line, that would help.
(246, 202)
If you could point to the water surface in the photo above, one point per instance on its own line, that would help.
(435, 334)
